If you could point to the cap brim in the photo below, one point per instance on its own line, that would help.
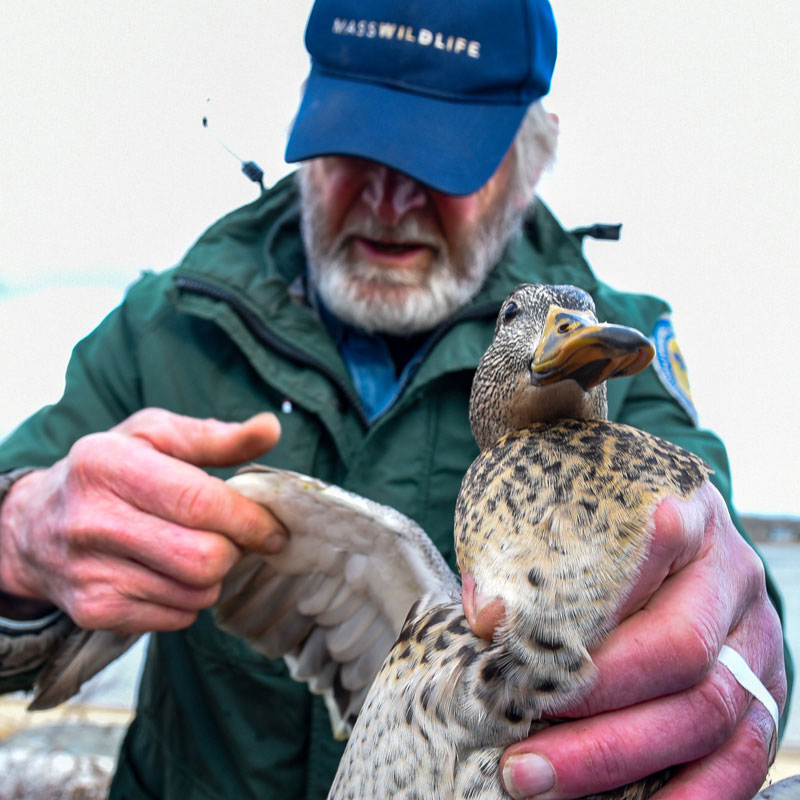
(454, 147)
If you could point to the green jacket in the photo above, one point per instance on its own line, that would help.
(224, 335)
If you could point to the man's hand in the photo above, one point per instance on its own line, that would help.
(661, 697)
(126, 533)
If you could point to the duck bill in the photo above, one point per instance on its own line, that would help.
(575, 346)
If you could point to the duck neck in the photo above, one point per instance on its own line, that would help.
(490, 421)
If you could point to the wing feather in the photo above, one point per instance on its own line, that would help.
(361, 567)
(80, 656)
(332, 603)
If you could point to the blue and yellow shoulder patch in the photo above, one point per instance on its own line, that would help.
(670, 366)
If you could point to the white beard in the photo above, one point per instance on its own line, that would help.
(397, 301)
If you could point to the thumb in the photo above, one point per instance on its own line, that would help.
(483, 613)
(203, 442)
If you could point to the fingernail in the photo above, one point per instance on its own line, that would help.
(481, 601)
(275, 543)
(528, 775)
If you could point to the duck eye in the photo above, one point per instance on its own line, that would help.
(510, 311)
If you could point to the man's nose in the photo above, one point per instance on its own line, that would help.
(390, 195)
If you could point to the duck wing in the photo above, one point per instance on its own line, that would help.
(332, 603)
(79, 657)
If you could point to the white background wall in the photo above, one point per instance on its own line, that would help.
(679, 119)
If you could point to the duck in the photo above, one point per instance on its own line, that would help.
(553, 517)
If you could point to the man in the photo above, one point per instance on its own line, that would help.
(422, 140)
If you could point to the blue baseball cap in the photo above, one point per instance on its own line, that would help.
(435, 89)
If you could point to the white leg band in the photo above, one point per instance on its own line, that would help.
(747, 678)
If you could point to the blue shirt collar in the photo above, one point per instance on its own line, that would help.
(368, 358)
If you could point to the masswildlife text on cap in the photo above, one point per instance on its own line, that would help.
(435, 89)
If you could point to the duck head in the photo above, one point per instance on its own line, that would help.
(550, 359)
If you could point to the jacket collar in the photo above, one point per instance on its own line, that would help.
(255, 256)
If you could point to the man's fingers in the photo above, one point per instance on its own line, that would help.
(134, 497)
(680, 529)
(204, 442)
(146, 617)
(664, 648)
(721, 774)
(483, 613)
(610, 750)
(158, 618)
(674, 641)
(194, 558)
(121, 595)
(187, 495)
(703, 726)
(165, 488)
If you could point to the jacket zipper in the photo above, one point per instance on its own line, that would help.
(265, 336)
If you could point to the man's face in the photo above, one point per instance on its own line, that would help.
(389, 254)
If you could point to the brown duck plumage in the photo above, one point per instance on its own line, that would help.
(554, 517)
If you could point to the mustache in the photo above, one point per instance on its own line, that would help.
(409, 231)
